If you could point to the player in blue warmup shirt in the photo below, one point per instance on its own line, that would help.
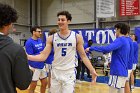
(130, 63)
(34, 46)
(120, 55)
(135, 62)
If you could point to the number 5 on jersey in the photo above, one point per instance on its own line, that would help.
(64, 51)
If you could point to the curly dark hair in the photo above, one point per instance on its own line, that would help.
(66, 13)
(8, 15)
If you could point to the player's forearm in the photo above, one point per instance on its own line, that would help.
(88, 64)
(38, 58)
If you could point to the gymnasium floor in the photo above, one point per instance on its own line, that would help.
(86, 87)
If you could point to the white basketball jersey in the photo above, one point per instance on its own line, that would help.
(107, 57)
(64, 52)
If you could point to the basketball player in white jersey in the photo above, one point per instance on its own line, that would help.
(65, 44)
(107, 57)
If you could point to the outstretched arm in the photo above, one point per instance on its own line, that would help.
(85, 59)
(45, 53)
(106, 49)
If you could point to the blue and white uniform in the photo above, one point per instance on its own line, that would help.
(107, 58)
(34, 47)
(136, 49)
(131, 57)
(119, 63)
(64, 63)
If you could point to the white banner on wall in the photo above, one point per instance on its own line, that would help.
(105, 8)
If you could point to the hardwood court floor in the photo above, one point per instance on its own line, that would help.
(86, 87)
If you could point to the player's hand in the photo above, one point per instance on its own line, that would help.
(94, 77)
(87, 50)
